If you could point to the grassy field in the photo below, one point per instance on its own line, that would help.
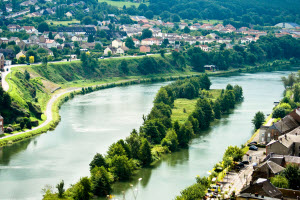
(184, 107)
(120, 4)
(212, 21)
(65, 23)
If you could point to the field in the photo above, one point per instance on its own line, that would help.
(65, 23)
(120, 4)
(184, 107)
(212, 21)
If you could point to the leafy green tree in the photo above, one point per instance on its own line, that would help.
(145, 153)
(98, 161)
(170, 140)
(278, 112)
(101, 181)
(280, 181)
(27, 75)
(163, 97)
(162, 53)
(82, 190)
(134, 141)
(146, 33)
(122, 167)
(45, 61)
(43, 27)
(258, 119)
(296, 93)
(90, 39)
(235, 152)
(238, 93)
(60, 188)
(116, 149)
(186, 30)
(124, 67)
(175, 18)
(129, 43)
(292, 174)
(217, 109)
(205, 106)
(149, 14)
(98, 46)
(205, 82)
(229, 87)
(196, 191)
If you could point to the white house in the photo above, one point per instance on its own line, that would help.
(30, 29)
(117, 43)
(51, 43)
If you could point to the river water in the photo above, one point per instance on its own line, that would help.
(92, 122)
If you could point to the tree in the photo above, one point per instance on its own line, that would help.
(149, 14)
(146, 33)
(50, 35)
(82, 189)
(27, 75)
(170, 140)
(98, 161)
(43, 27)
(296, 93)
(122, 167)
(235, 153)
(101, 181)
(145, 153)
(98, 46)
(162, 53)
(60, 188)
(279, 112)
(129, 43)
(196, 191)
(175, 18)
(186, 30)
(292, 174)
(280, 181)
(162, 96)
(124, 67)
(205, 106)
(217, 109)
(116, 149)
(45, 61)
(258, 119)
(31, 59)
(90, 39)
(22, 60)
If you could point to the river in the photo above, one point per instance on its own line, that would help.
(92, 122)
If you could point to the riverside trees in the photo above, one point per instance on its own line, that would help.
(157, 135)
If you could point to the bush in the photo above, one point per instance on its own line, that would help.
(279, 112)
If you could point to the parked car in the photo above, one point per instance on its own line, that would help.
(240, 164)
(253, 148)
(253, 143)
(28, 63)
(101, 57)
(246, 162)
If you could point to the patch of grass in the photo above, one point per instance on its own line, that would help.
(64, 23)
(120, 4)
(182, 109)
(211, 21)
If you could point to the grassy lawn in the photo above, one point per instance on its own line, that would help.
(211, 21)
(184, 107)
(65, 23)
(120, 4)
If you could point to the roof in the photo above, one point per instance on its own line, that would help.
(1, 117)
(263, 187)
(253, 196)
(286, 124)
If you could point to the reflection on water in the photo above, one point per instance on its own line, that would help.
(92, 122)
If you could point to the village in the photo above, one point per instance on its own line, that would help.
(113, 37)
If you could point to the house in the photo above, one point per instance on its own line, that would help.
(169, 24)
(112, 50)
(145, 49)
(120, 51)
(267, 170)
(262, 187)
(1, 125)
(77, 30)
(286, 144)
(69, 14)
(59, 36)
(2, 61)
(30, 29)
(3, 40)
(282, 160)
(204, 47)
(14, 28)
(136, 42)
(151, 41)
(183, 25)
(20, 54)
(51, 43)
(117, 43)
(285, 125)
(210, 67)
(250, 196)
(76, 38)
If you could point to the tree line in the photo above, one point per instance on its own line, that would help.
(139, 148)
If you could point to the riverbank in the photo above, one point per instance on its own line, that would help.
(59, 97)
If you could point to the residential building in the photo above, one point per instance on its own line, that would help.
(3, 40)
(51, 43)
(262, 187)
(112, 50)
(210, 67)
(145, 49)
(14, 28)
(267, 170)
(287, 25)
(204, 47)
(30, 29)
(286, 144)
(117, 43)
(69, 14)
(136, 42)
(1, 125)
(151, 41)
(20, 54)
